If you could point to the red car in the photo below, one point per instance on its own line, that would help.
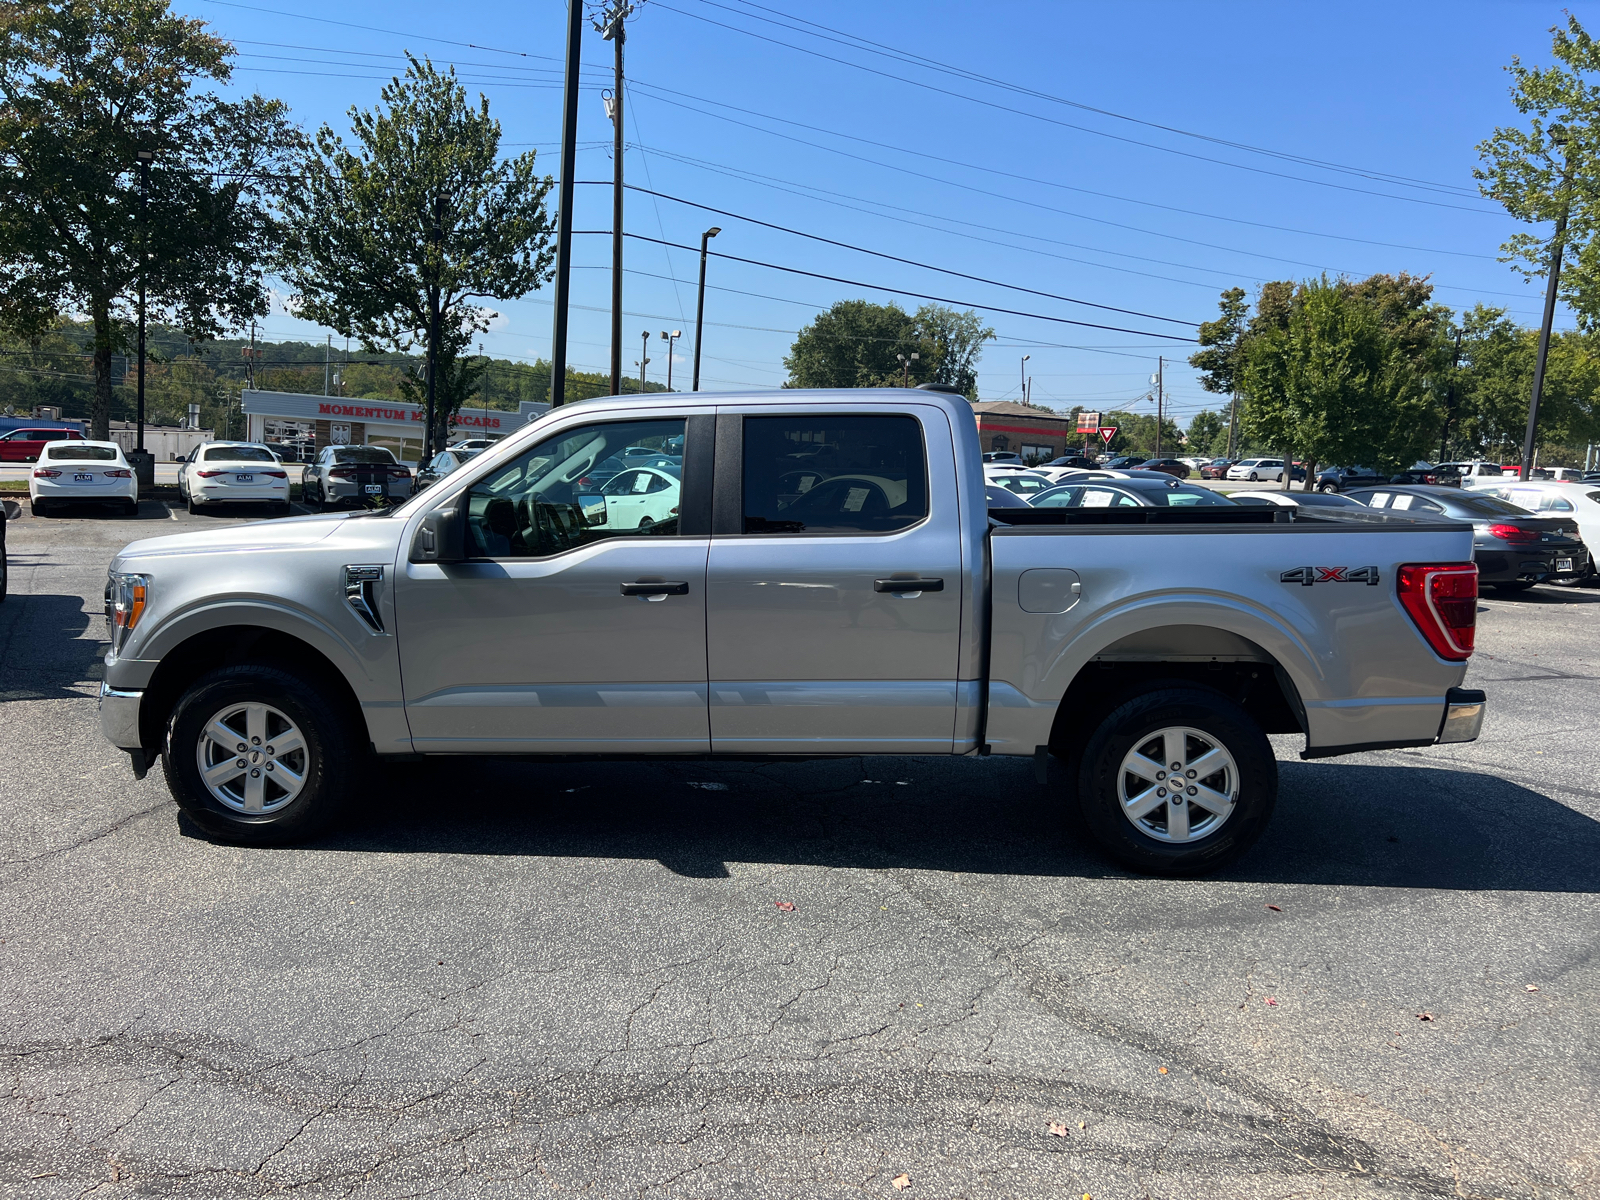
(1217, 468)
(25, 445)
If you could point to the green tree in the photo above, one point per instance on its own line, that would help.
(1208, 434)
(1525, 168)
(1221, 350)
(1328, 380)
(85, 85)
(393, 241)
(854, 345)
(953, 339)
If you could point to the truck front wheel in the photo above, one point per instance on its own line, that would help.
(1177, 781)
(258, 755)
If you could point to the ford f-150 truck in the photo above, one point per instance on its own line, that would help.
(812, 573)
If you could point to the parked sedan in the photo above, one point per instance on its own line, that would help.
(1579, 501)
(1514, 548)
(1296, 499)
(1443, 476)
(1026, 484)
(1073, 460)
(81, 470)
(998, 497)
(1175, 467)
(638, 498)
(25, 445)
(443, 463)
(1217, 468)
(233, 473)
(354, 474)
(1122, 461)
(1151, 491)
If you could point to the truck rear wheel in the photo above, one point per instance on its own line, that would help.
(257, 755)
(1177, 780)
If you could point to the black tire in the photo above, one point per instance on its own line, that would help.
(131, 508)
(5, 571)
(285, 509)
(194, 509)
(1327, 487)
(1132, 724)
(334, 753)
(1254, 477)
(38, 507)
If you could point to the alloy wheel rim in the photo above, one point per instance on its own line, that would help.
(1178, 784)
(253, 759)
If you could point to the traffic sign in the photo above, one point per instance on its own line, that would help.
(1107, 432)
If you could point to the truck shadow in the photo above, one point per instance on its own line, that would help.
(43, 653)
(1336, 824)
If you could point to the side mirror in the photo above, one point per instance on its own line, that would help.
(442, 536)
(593, 510)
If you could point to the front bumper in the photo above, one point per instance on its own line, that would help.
(119, 717)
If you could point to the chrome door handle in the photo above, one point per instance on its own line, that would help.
(908, 585)
(657, 588)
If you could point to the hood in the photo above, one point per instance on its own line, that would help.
(259, 535)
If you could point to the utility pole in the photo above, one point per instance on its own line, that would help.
(1450, 402)
(700, 304)
(327, 365)
(1233, 423)
(1023, 369)
(670, 338)
(611, 28)
(569, 160)
(483, 393)
(143, 157)
(1161, 364)
(644, 360)
(250, 359)
(435, 237)
(1558, 136)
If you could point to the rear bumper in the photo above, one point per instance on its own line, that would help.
(119, 717)
(1461, 721)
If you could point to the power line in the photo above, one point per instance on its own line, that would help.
(894, 290)
(858, 43)
(1068, 124)
(1131, 312)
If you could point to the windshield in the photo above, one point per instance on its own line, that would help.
(78, 452)
(238, 454)
(362, 454)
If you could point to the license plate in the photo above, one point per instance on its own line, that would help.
(374, 489)
(244, 478)
(83, 478)
(1563, 564)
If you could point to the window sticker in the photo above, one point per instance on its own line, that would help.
(854, 499)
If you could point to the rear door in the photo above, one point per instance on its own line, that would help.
(833, 589)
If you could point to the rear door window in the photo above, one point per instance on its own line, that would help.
(833, 474)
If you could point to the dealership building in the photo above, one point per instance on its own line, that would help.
(392, 424)
(1037, 434)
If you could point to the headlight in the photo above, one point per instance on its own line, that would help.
(127, 596)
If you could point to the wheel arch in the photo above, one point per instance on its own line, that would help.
(230, 645)
(1225, 660)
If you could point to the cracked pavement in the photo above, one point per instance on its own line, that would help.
(520, 979)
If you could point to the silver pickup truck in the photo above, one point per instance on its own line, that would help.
(787, 575)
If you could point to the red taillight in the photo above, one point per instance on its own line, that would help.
(1511, 533)
(276, 474)
(119, 474)
(209, 474)
(399, 473)
(1442, 598)
(44, 473)
(343, 472)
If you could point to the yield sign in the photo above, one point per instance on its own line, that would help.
(1107, 432)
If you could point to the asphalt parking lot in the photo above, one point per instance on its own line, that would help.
(524, 979)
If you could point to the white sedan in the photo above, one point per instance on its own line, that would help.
(639, 498)
(95, 472)
(233, 473)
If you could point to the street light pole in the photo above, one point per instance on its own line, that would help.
(569, 164)
(700, 304)
(670, 338)
(905, 367)
(1559, 137)
(644, 361)
(1024, 370)
(144, 158)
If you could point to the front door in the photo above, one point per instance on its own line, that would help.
(834, 589)
(570, 630)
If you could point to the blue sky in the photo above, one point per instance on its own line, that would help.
(1039, 192)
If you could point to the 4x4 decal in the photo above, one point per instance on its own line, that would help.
(1307, 576)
